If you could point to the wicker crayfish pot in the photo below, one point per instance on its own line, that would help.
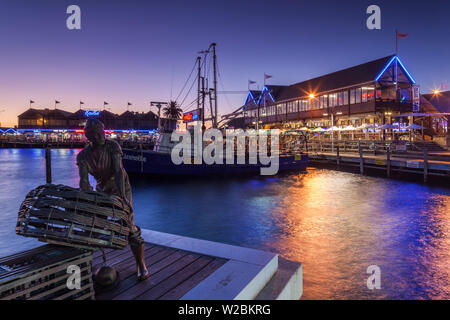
(68, 216)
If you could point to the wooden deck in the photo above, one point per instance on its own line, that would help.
(173, 272)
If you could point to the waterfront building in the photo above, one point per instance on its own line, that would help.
(60, 119)
(370, 93)
(56, 124)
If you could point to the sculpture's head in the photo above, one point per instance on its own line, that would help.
(94, 130)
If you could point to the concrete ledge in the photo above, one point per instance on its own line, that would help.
(210, 248)
(245, 274)
(286, 284)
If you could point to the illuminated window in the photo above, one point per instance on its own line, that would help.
(364, 95)
(333, 99)
(325, 101)
(358, 95)
(352, 96)
(345, 97)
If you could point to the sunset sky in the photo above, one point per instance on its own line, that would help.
(139, 51)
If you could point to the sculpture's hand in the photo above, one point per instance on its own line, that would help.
(84, 178)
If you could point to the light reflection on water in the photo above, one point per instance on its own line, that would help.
(336, 223)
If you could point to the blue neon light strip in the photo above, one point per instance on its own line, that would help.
(385, 68)
(401, 65)
(406, 71)
(262, 92)
(73, 130)
(8, 130)
(251, 95)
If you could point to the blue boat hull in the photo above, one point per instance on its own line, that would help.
(157, 163)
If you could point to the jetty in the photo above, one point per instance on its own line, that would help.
(183, 268)
(424, 162)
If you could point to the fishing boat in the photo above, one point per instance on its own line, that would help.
(159, 160)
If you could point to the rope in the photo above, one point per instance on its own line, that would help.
(187, 80)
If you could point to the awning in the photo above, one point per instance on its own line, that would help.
(422, 115)
(388, 126)
(414, 127)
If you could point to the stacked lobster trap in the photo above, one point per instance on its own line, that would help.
(41, 274)
(68, 216)
(75, 223)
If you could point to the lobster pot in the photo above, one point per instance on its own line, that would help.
(43, 274)
(67, 216)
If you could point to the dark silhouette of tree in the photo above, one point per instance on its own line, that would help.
(172, 111)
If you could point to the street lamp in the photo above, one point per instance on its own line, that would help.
(158, 105)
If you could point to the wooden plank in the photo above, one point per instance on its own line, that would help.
(98, 253)
(184, 287)
(112, 256)
(128, 274)
(156, 278)
(127, 267)
(155, 253)
(175, 279)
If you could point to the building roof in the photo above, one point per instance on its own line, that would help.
(440, 101)
(56, 113)
(362, 73)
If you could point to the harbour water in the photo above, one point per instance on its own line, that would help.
(336, 223)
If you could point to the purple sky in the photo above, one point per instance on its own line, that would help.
(140, 51)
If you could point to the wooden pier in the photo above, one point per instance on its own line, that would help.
(192, 269)
(173, 273)
(183, 268)
(424, 164)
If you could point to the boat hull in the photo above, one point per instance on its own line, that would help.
(158, 163)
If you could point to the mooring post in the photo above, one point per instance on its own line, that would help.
(48, 164)
(361, 160)
(388, 161)
(337, 154)
(425, 165)
(142, 157)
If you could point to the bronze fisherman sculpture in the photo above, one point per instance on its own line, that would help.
(102, 158)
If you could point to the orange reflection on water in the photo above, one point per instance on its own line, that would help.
(338, 224)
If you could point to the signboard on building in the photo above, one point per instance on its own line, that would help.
(194, 115)
(92, 113)
(416, 98)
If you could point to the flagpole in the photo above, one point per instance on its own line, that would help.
(396, 42)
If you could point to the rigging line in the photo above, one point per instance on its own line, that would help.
(190, 105)
(221, 83)
(187, 80)
(189, 91)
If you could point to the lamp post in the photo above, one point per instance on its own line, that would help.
(158, 105)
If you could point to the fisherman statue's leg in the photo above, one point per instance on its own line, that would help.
(137, 245)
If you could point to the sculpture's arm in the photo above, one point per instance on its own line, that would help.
(84, 178)
(118, 175)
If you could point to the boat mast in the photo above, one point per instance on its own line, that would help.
(215, 84)
(198, 82)
(203, 104)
